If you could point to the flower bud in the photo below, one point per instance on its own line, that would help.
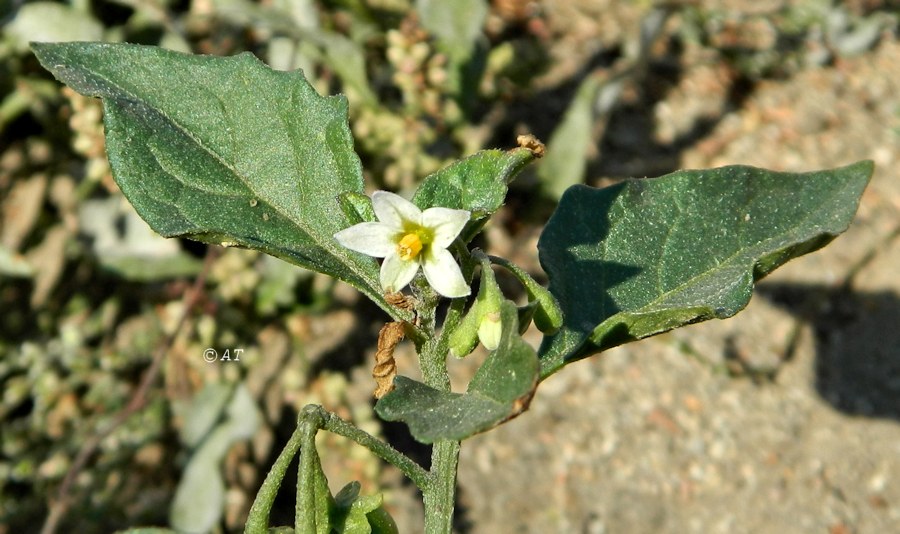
(489, 300)
(490, 330)
(482, 322)
(547, 316)
(464, 338)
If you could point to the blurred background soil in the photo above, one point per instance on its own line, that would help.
(782, 419)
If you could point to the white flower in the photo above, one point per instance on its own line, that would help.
(408, 238)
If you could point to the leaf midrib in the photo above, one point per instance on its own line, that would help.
(730, 260)
(128, 96)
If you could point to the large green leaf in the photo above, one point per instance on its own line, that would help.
(501, 389)
(225, 150)
(646, 256)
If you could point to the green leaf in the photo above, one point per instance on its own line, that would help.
(501, 389)
(338, 52)
(200, 496)
(646, 256)
(125, 245)
(204, 412)
(348, 59)
(477, 183)
(277, 284)
(225, 150)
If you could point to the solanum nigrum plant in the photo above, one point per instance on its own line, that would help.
(228, 151)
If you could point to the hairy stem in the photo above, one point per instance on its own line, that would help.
(258, 519)
(440, 498)
(311, 484)
(433, 365)
(439, 495)
(404, 463)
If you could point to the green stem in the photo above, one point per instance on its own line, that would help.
(258, 520)
(311, 419)
(434, 369)
(311, 484)
(440, 497)
(517, 271)
(407, 465)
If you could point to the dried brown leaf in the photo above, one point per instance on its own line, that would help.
(385, 367)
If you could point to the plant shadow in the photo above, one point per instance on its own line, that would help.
(857, 368)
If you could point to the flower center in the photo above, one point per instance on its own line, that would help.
(409, 246)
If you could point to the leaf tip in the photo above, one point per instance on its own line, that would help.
(532, 144)
(865, 166)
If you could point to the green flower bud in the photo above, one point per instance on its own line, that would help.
(548, 317)
(482, 322)
(464, 338)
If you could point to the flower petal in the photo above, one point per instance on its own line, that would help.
(446, 224)
(443, 273)
(370, 238)
(394, 210)
(396, 273)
